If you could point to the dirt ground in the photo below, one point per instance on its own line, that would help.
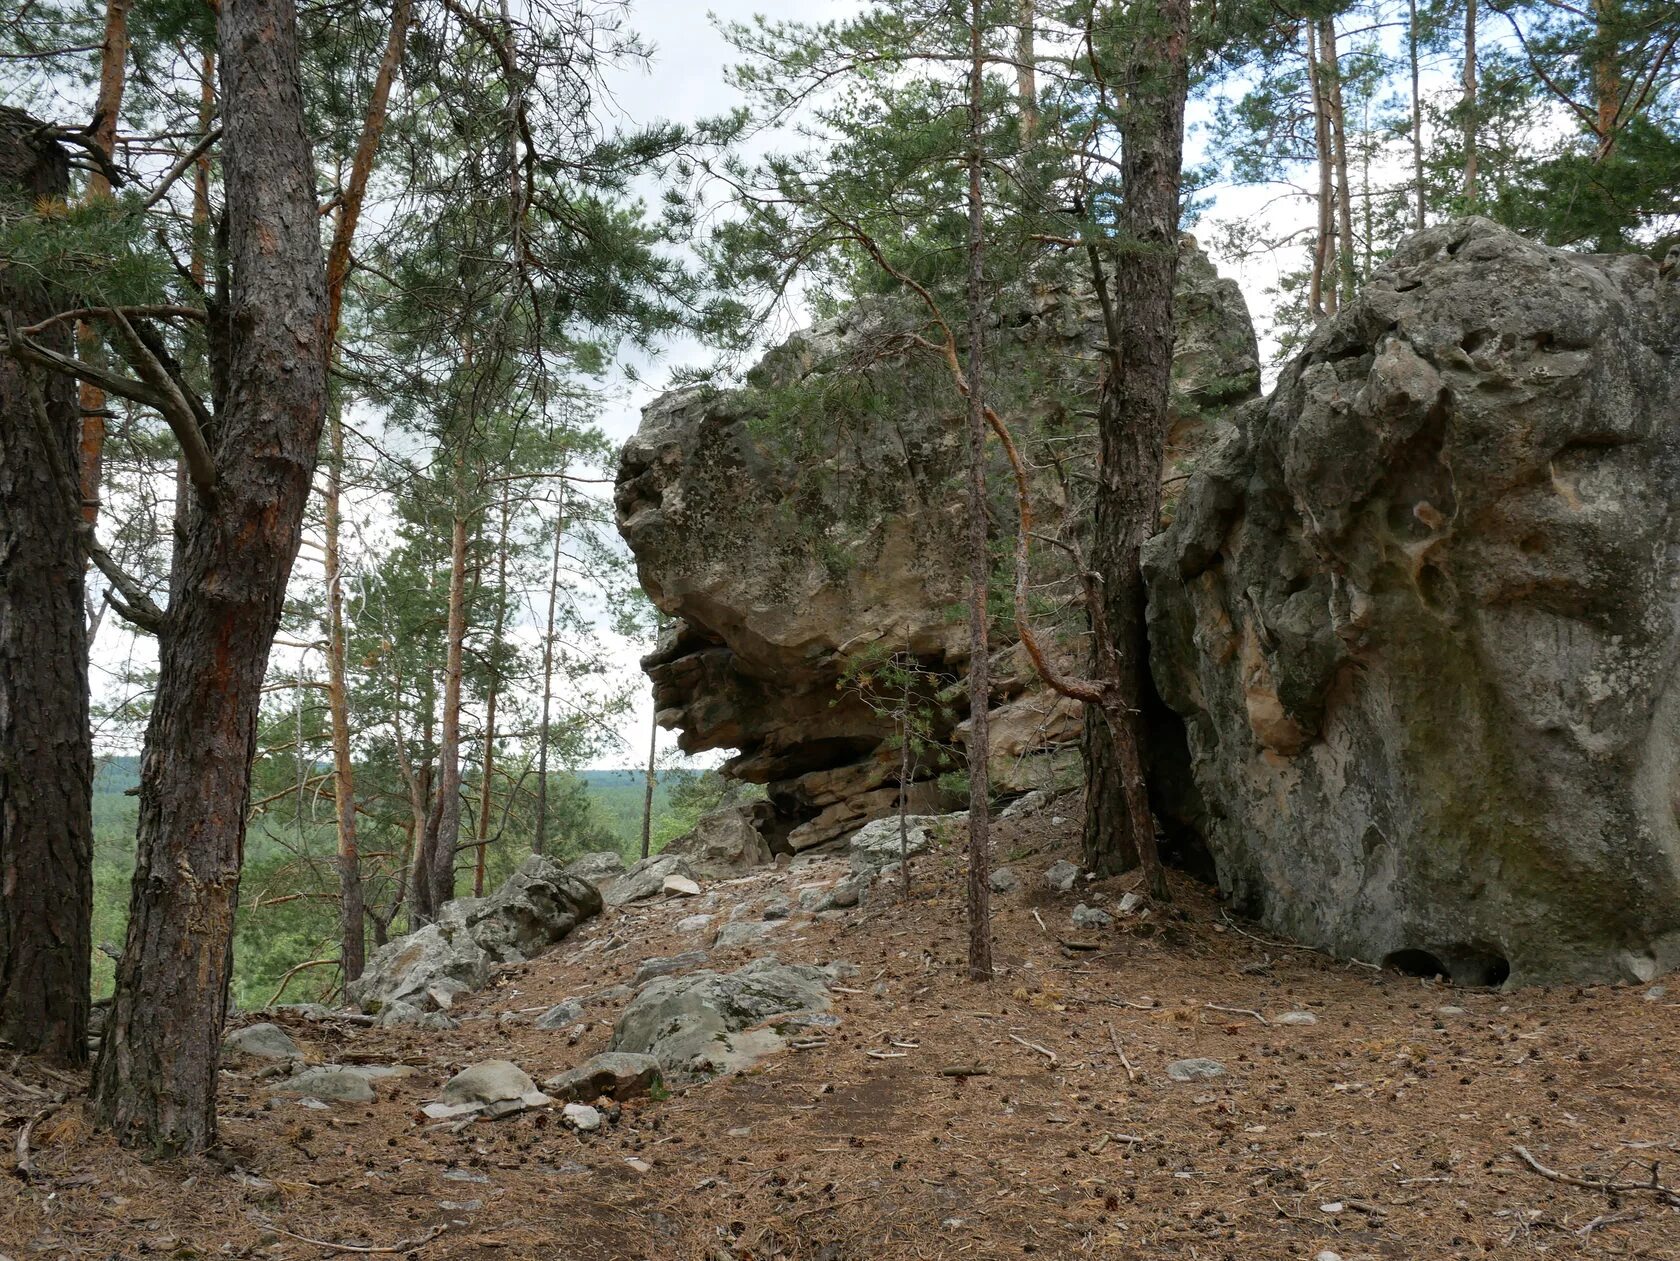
(1392, 1127)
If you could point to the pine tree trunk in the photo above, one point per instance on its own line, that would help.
(647, 788)
(1321, 301)
(490, 704)
(46, 753)
(446, 811)
(352, 906)
(1467, 104)
(979, 552)
(155, 1082)
(1132, 414)
(1026, 68)
(1331, 84)
(1417, 113)
(539, 840)
(113, 79)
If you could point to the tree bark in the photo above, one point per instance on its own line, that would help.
(155, 1082)
(1026, 68)
(1331, 84)
(539, 839)
(1132, 417)
(1417, 113)
(446, 811)
(979, 553)
(494, 687)
(113, 79)
(1467, 103)
(648, 786)
(46, 752)
(352, 903)
(1321, 302)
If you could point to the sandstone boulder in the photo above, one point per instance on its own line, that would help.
(726, 842)
(1419, 614)
(646, 879)
(813, 517)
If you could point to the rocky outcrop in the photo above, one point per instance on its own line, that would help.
(424, 970)
(1420, 613)
(812, 520)
(726, 842)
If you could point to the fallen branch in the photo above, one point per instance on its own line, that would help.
(965, 1070)
(1611, 1186)
(402, 1245)
(26, 1163)
(1033, 1046)
(1237, 1011)
(1131, 1073)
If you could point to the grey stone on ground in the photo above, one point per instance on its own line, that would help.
(845, 894)
(616, 1074)
(1090, 917)
(743, 933)
(1295, 1018)
(600, 868)
(609, 995)
(777, 908)
(661, 965)
(492, 1082)
(1061, 875)
(725, 842)
(1130, 902)
(646, 879)
(397, 1013)
(1003, 880)
(693, 923)
(1417, 615)
(564, 1014)
(1022, 806)
(712, 1023)
(1195, 1070)
(581, 1117)
(1656, 993)
(263, 1041)
(342, 1083)
(876, 845)
(536, 907)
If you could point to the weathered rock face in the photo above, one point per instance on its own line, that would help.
(816, 515)
(1421, 614)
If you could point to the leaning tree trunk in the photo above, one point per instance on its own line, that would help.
(1132, 425)
(155, 1083)
(46, 757)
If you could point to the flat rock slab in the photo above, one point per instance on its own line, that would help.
(491, 1082)
(261, 1042)
(1195, 1070)
(647, 879)
(342, 1083)
(616, 1074)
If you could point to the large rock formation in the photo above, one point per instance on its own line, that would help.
(797, 525)
(1419, 612)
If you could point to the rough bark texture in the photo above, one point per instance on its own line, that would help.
(46, 763)
(1132, 426)
(979, 554)
(352, 908)
(155, 1083)
(539, 838)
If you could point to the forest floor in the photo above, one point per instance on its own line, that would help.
(1392, 1127)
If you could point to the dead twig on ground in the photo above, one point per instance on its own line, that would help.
(1033, 1046)
(402, 1245)
(1612, 1186)
(1237, 1011)
(1131, 1073)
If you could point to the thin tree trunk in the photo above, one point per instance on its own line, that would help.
(904, 779)
(155, 1082)
(979, 553)
(107, 107)
(1026, 69)
(46, 751)
(1321, 300)
(648, 786)
(1417, 113)
(352, 899)
(1132, 426)
(490, 703)
(1346, 256)
(1606, 75)
(1467, 104)
(446, 811)
(352, 906)
(539, 841)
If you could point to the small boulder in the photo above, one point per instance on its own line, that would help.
(742, 933)
(1003, 880)
(693, 924)
(777, 908)
(646, 879)
(1061, 875)
(339, 1082)
(564, 1014)
(1132, 902)
(680, 885)
(1195, 1070)
(1295, 1018)
(1090, 917)
(661, 965)
(1021, 806)
(498, 1087)
(600, 868)
(877, 845)
(581, 1117)
(616, 1074)
(710, 1023)
(263, 1041)
(726, 842)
